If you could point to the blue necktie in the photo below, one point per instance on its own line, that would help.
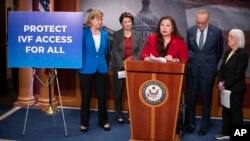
(201, 41)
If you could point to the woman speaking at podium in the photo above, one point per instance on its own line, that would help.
(94, 70)
(166, 42)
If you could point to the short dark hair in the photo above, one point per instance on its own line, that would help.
(126, 15)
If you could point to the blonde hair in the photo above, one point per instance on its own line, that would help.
(239, 34)
(94, 13)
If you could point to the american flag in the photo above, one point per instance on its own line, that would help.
(44, 5)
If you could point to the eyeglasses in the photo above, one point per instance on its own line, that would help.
(231, 37)
(201, 23)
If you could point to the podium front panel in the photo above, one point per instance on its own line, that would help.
(153, 122)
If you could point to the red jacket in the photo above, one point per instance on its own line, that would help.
(177, 48)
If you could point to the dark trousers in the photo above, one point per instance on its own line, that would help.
(118, 91)
(205, 85)
(234, 114)
(99, 81)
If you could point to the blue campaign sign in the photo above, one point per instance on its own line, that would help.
(45, 39)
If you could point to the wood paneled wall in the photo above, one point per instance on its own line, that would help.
(65, 5)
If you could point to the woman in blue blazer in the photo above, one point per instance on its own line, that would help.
(232, 77)
(94, 70)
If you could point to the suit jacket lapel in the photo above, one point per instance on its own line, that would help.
(226, 55)
(101, 42)
(91, 39)
(209, 37)
(193, 38)
(121, 38)
(133, 40)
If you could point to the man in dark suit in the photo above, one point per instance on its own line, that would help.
(205, 46)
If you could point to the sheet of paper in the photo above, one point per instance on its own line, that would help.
(121, 74)
(225, 98)
(157, 59)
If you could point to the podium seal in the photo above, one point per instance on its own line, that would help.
(153, 93)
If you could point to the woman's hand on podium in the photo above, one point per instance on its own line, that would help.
(169, 58)
(147, 59)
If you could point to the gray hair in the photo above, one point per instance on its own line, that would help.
(239, 34)
(202, 11)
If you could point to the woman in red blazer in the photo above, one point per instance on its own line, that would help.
(166, 42)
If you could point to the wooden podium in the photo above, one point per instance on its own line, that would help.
(154, 91)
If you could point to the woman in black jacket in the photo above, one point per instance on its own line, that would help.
(232, 77)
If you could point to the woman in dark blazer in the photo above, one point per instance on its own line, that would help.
(94, 70)
(232, 77)
(126, 42)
